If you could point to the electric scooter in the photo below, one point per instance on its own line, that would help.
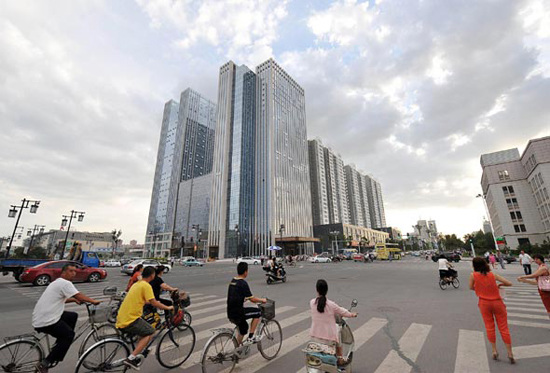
(321, 358)
(272, 277)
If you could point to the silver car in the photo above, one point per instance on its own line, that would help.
(129, 268)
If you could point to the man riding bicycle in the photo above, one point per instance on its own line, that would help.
(446, 270)
(49, 315)
(237, 293)
(129, 315)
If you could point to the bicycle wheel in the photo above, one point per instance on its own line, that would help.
(443, 284)
(175, 346)
(456, 283)
(20, 356)
(105, 356)
(102, 332)
(218, 354)
(272, 339)
(186, 321)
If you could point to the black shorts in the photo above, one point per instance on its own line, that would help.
(249, 313)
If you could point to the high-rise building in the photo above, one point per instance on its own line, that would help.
(376, 203)
(328, 185)
(261, 173)
(184, 162)
(515, 190)
(358, 197)
(487, 226)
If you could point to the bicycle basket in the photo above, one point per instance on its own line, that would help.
(177, 318)
(268, 309)
(99, 315)
(110, 290)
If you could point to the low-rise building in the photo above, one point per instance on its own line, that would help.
(335, 236)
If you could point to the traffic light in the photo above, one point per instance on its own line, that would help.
(471, 240)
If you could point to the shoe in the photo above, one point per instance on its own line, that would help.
(342, 361)
(253, 340)
(42, 367)
(495, 355)
(512, 360)
(133, 364)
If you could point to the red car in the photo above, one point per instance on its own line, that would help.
(45, 273)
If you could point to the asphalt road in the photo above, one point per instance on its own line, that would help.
(406, 322)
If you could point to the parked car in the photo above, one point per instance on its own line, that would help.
(43, 274)
(358, 257)
(320, 259)
(192, 263)
(184, 259)
(129, 268)
(101, 263)
(248, 260)
(450, 256)
(112, 263)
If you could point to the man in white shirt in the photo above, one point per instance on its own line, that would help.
(445, 268)
(49, 315)
(525, 260)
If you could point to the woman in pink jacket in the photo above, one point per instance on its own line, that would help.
(323, 323)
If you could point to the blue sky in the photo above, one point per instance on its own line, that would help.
(412, 92)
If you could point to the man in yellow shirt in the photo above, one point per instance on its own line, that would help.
(129, 315)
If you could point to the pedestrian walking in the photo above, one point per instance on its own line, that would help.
(172, 261)
(491, 306)
(525, 260)
(541, 278)
(500, 259)
(492, 260)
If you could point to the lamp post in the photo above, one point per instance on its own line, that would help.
(74, 214)
(39, 228)
(196, 228)
(17, 210)
(484, 198)
(335, 234)
(182, 246)
(237, 238)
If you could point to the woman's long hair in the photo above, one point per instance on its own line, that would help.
(322, 289)
(480, 265)
(138, 268)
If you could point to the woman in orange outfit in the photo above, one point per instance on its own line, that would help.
(484, 283)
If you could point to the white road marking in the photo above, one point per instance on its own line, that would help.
(531, 324)
(528, 316)
(471, 354)
(525, 309)
(410, 345)
(527, 352)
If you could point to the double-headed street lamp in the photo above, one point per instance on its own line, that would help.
(335, 234)
(37, 228)
(238, 239)
(17, 210)
(74, 214)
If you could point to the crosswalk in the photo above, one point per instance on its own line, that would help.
(523, 303)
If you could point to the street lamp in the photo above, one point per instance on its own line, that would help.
(39, 228)
(237, 237)
(335, 234)
(484, 198)
(74, 214)
(14, 210)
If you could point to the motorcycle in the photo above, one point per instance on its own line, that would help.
(273, 277)
(321, 358)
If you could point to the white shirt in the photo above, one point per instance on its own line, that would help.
(50, 306)
(525, 259)
(443, 264)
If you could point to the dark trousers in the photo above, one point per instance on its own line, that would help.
(527, 269)
(63, 332)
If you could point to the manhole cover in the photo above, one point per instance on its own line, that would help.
(388, 309)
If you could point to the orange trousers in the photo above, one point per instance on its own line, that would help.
(491, 310)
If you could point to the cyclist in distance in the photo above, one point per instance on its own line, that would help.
(49, 315)
(237, 293)
(129, 315)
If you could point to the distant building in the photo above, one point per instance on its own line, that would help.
(376, 202)
(487, 226)
(515, 189)
(426, 231)
(181, 188)
(358, 197)
(394, 233)
(333, 236)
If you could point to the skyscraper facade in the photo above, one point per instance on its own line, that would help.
(358, 199)
(328, 185)
(376, 203)
(185, 152)
(260, 174)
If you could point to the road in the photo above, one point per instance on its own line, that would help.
(406, 322)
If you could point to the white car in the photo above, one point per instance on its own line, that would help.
(129, 268)
(248, 260)
(320, 259)
(112, 263)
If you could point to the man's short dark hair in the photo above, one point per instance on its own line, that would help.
(66, 266)
(242, 267)
(148, 272)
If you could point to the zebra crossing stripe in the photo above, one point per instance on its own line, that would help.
(471, 354)
(527, 316)
(409, 345)
(223, 315)
(526, 309)
(363, 334)
(531, 324)
(521, 301)
(209, 309)
(527, 352)
(523, 297)
(195, 356)
(202, 304)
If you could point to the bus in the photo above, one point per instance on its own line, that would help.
(347, 252)
(384, 250)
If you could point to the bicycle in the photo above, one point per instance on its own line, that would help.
(223, 347)
(21, 353)
(175, 346)
(444, 282)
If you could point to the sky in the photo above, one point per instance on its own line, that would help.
(411, 92)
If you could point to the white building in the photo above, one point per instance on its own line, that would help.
(515, 189)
